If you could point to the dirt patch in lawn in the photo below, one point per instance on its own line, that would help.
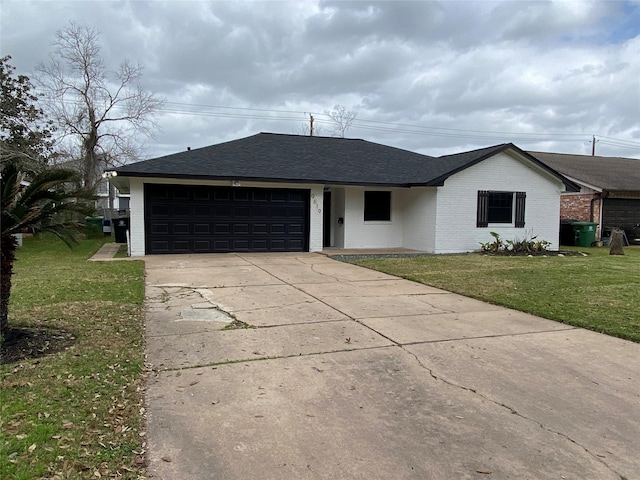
(27, 343)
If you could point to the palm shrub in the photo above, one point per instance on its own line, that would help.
(49, 201)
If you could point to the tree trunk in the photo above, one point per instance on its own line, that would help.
(617, 240)
(8, 252)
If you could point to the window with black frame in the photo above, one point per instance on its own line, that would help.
(501, 208)
(377, 206)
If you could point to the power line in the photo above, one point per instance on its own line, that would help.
(620, 145)
(380, 126)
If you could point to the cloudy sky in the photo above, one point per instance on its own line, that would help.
(429, 76)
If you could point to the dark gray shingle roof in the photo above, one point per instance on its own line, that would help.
(608, 173)
(304, 159)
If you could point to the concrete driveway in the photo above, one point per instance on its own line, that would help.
(354, 374)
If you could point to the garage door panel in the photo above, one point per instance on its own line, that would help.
(202, 211)
(159, 192)
(241, 195)
(222, 245)
(182, 210)
(201, 228)
(297, 197)
(260, 228)
(259, 245)
(160, 210)
(225, 219)
(260, 195)
(181, 192)
(221, 211)
(160, 246)
(181, 246)
(295, 212)
(181, 228)
(278, 197)
(278, 211)
(160, 228)
(621, 212)
(240, 245)
(201, 193)
(296, 228)
(201, 246)
(295, 245)
(260, 211)
(241, 212)
(241, 228)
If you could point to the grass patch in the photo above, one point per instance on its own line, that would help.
(123, 251)
(76, 413)
(598, 292)
(236, 324)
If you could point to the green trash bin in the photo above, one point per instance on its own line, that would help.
(585, 233)
(93, 226)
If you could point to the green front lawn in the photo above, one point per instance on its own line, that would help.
(598, 291)
(76, 413)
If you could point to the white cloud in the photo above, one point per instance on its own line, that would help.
(535, 73)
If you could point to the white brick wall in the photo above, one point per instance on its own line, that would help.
(456, 229)
(315, 218)
(361, 234)
(419, 218)
(136, 217)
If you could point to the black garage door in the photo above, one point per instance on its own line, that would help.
(621, 212)
(204, 219)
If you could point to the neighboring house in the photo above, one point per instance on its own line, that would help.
(110, 201)
(272, 192)
(609, 191)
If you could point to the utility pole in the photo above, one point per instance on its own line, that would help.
(310, 125)
(593, 145)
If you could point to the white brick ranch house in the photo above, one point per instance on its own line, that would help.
(273, 192)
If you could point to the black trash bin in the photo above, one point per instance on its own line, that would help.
(567, 236)
(120, 226)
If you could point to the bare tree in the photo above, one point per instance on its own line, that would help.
(342, 119)
(98, 113)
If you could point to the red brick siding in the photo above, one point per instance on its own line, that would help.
(578, 207)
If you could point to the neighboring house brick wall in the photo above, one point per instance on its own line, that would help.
(361, 234)
(456, 229)
(583, 207)
(578, 207)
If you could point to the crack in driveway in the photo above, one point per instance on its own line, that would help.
(511, 410)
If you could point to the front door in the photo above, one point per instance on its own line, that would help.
(326, 220)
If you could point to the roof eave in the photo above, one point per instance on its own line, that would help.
(569, 185)
(231, 178)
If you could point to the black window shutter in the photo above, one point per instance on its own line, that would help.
(483, 209)
(521, 198)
